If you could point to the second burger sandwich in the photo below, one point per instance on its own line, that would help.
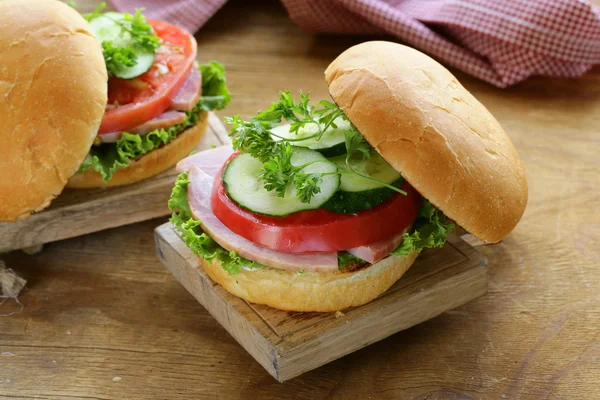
(330, 209)
(158, 99)
(97, 100)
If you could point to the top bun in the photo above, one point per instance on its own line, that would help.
(428, 127)
(52, 99)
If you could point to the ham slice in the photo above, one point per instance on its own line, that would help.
(209, 161)
(110, 137)
(187, 97)
(199, 195)
(163, 121)
(377, 251)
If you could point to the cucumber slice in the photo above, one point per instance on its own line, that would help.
(107, 29)
(357, 193)
(374, 167)
(352, 202)
(331, 144)
(143, 63)
(241, 181)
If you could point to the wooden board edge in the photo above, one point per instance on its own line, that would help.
(410, 281)
(91, 216)
(305, 357)
(285, 362)
(213, 298)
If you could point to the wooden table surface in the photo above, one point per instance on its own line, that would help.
(103, 319)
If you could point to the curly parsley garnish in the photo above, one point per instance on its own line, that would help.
(278, 173)
(136, 36)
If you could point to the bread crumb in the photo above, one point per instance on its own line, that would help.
(10, 283)
(339, 314)
(116, 379)
(10, 287)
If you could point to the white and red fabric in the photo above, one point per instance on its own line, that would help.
(501, 42)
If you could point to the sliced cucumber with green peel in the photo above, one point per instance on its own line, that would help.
(143, 63)
(357, 193)
(241, 179)
(107, 29)
(331, 144)
(374, 167)
(352, 202)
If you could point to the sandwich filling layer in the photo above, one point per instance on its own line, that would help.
(235, 211)
(107, 158)
(429, 230)
(156, 90)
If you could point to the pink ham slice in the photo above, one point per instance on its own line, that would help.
(187, 97)
(199, 194)
(163, 121)
(209, 161)
(377, 251)
(110, 137)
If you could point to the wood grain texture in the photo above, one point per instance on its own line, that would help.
(288, 344)
(78, 212)
(102, 306)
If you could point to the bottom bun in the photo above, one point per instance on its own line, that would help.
(320, 292)
(150, 164)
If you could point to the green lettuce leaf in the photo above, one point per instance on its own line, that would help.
(430, 230)
(191, 232)
(215, 94)
(107, 158)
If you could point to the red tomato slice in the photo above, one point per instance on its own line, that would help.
(318, 230)
(132, 102)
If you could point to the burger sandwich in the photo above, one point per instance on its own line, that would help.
(323, 207)
(158, 99)
(96, 100)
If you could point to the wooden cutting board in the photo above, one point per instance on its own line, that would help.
(78, 212)
(288, 344)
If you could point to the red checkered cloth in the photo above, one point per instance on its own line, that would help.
(502, 42)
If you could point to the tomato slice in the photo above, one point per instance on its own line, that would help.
(318, 230)
(132, 102)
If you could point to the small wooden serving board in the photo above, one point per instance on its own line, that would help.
(80, 211)
(288, 344)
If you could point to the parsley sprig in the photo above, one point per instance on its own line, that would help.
(137, 36)
(278, 172)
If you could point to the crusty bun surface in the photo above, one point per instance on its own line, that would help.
(434, 132)
(150, 164)
(52, 99)
(318, 292)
